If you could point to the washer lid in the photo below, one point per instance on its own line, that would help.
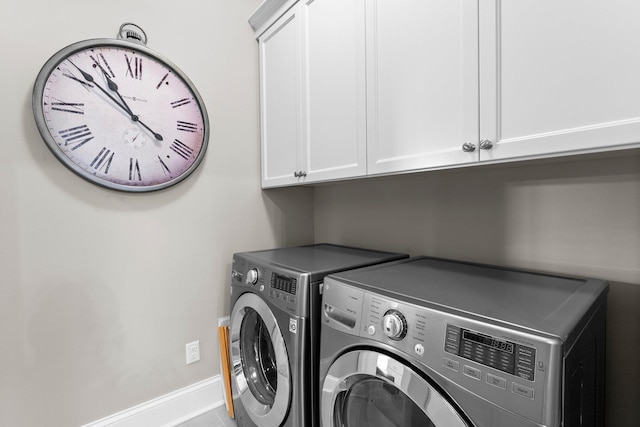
(540, 302)
(321, 259)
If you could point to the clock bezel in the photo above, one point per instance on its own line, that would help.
(38, 112)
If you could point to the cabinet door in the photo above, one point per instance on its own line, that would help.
(334, 144)
(280, 100)
(422, 83)
(559, 76)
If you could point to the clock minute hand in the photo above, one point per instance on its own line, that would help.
(88, 77)
(114, 87)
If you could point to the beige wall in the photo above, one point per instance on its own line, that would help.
(100, 291)
(580, 217)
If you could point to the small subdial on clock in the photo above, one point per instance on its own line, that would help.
(134, 138)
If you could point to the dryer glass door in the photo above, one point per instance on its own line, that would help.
(260, 365)
(258, 358)
(368, 388)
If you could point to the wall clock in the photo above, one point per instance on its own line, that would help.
(119, 114)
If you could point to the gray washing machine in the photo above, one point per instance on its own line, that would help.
(274, 329)
(431, 342)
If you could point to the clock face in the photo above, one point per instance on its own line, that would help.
(120, 115)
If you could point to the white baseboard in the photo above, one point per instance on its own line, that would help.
(170, 409)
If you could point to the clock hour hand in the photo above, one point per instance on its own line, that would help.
(88, 77)
(114, 87)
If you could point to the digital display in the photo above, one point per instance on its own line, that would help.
(514, 359)
(488, 341)
(283, 283)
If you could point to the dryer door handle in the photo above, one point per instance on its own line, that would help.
(339, 316)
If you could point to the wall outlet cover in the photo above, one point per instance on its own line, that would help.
(193, 352)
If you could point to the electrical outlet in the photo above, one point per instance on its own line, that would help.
(193, 352)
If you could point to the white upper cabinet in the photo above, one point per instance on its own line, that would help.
(558, 76)
(367, 87)
(422, 83)
(281, 100)
(313, 93)
(334, 144)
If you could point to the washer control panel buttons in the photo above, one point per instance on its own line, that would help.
(472, 372)
(522, 390)
(497, 381)
(451, 364)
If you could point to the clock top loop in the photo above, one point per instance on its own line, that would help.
(132, 32)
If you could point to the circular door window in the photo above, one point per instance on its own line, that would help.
(368, 388)
(259, 360)
(376, 403)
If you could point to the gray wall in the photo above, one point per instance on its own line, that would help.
(100, 291)
(579, 217)
(91, 324)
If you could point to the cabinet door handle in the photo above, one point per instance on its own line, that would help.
(468, 147)
(486, 144)
(299, 174)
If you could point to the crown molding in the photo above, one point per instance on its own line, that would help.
(268, 13)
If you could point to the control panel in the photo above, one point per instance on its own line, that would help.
(281, 287)
(505, 356)
(510, 368)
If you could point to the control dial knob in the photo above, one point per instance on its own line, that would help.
(394, 324)
(252, 276)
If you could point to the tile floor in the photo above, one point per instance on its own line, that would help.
(215, 418)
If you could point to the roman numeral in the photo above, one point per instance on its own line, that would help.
(103, 160)
(180, 102)
(76, 137)
(187, 127)
(162, 81)
(68, 107)
(97, 61)
(134, 170)
(134, 67)
(165, 168)
(181, 149)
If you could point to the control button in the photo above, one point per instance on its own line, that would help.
(394, 324)
(472, 372)
(451, 364)
(497, 381)
(419, 349)
(452, 341)
(371, 330)
(522, 390)
(252, 277)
